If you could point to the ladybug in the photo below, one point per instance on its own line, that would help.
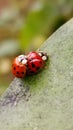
(35, 61)
(19, 66)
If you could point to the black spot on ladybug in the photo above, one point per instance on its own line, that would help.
(17, 72)
(14, 68)
(18, 66)
(33, 65)
(22, 72)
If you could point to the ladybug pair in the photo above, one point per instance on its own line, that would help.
(28, 64)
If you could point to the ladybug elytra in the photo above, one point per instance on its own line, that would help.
(18, 66)
(34, 63)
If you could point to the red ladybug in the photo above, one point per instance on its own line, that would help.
(35, 61)
(19, 66)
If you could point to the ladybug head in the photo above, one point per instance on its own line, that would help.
(22, 59)
(43, 55)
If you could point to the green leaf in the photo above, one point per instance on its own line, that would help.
(37, 23)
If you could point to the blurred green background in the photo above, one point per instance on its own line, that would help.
(24, 26)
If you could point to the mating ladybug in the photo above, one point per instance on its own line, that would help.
(19, 67)
(28, 64)
(35, 62)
